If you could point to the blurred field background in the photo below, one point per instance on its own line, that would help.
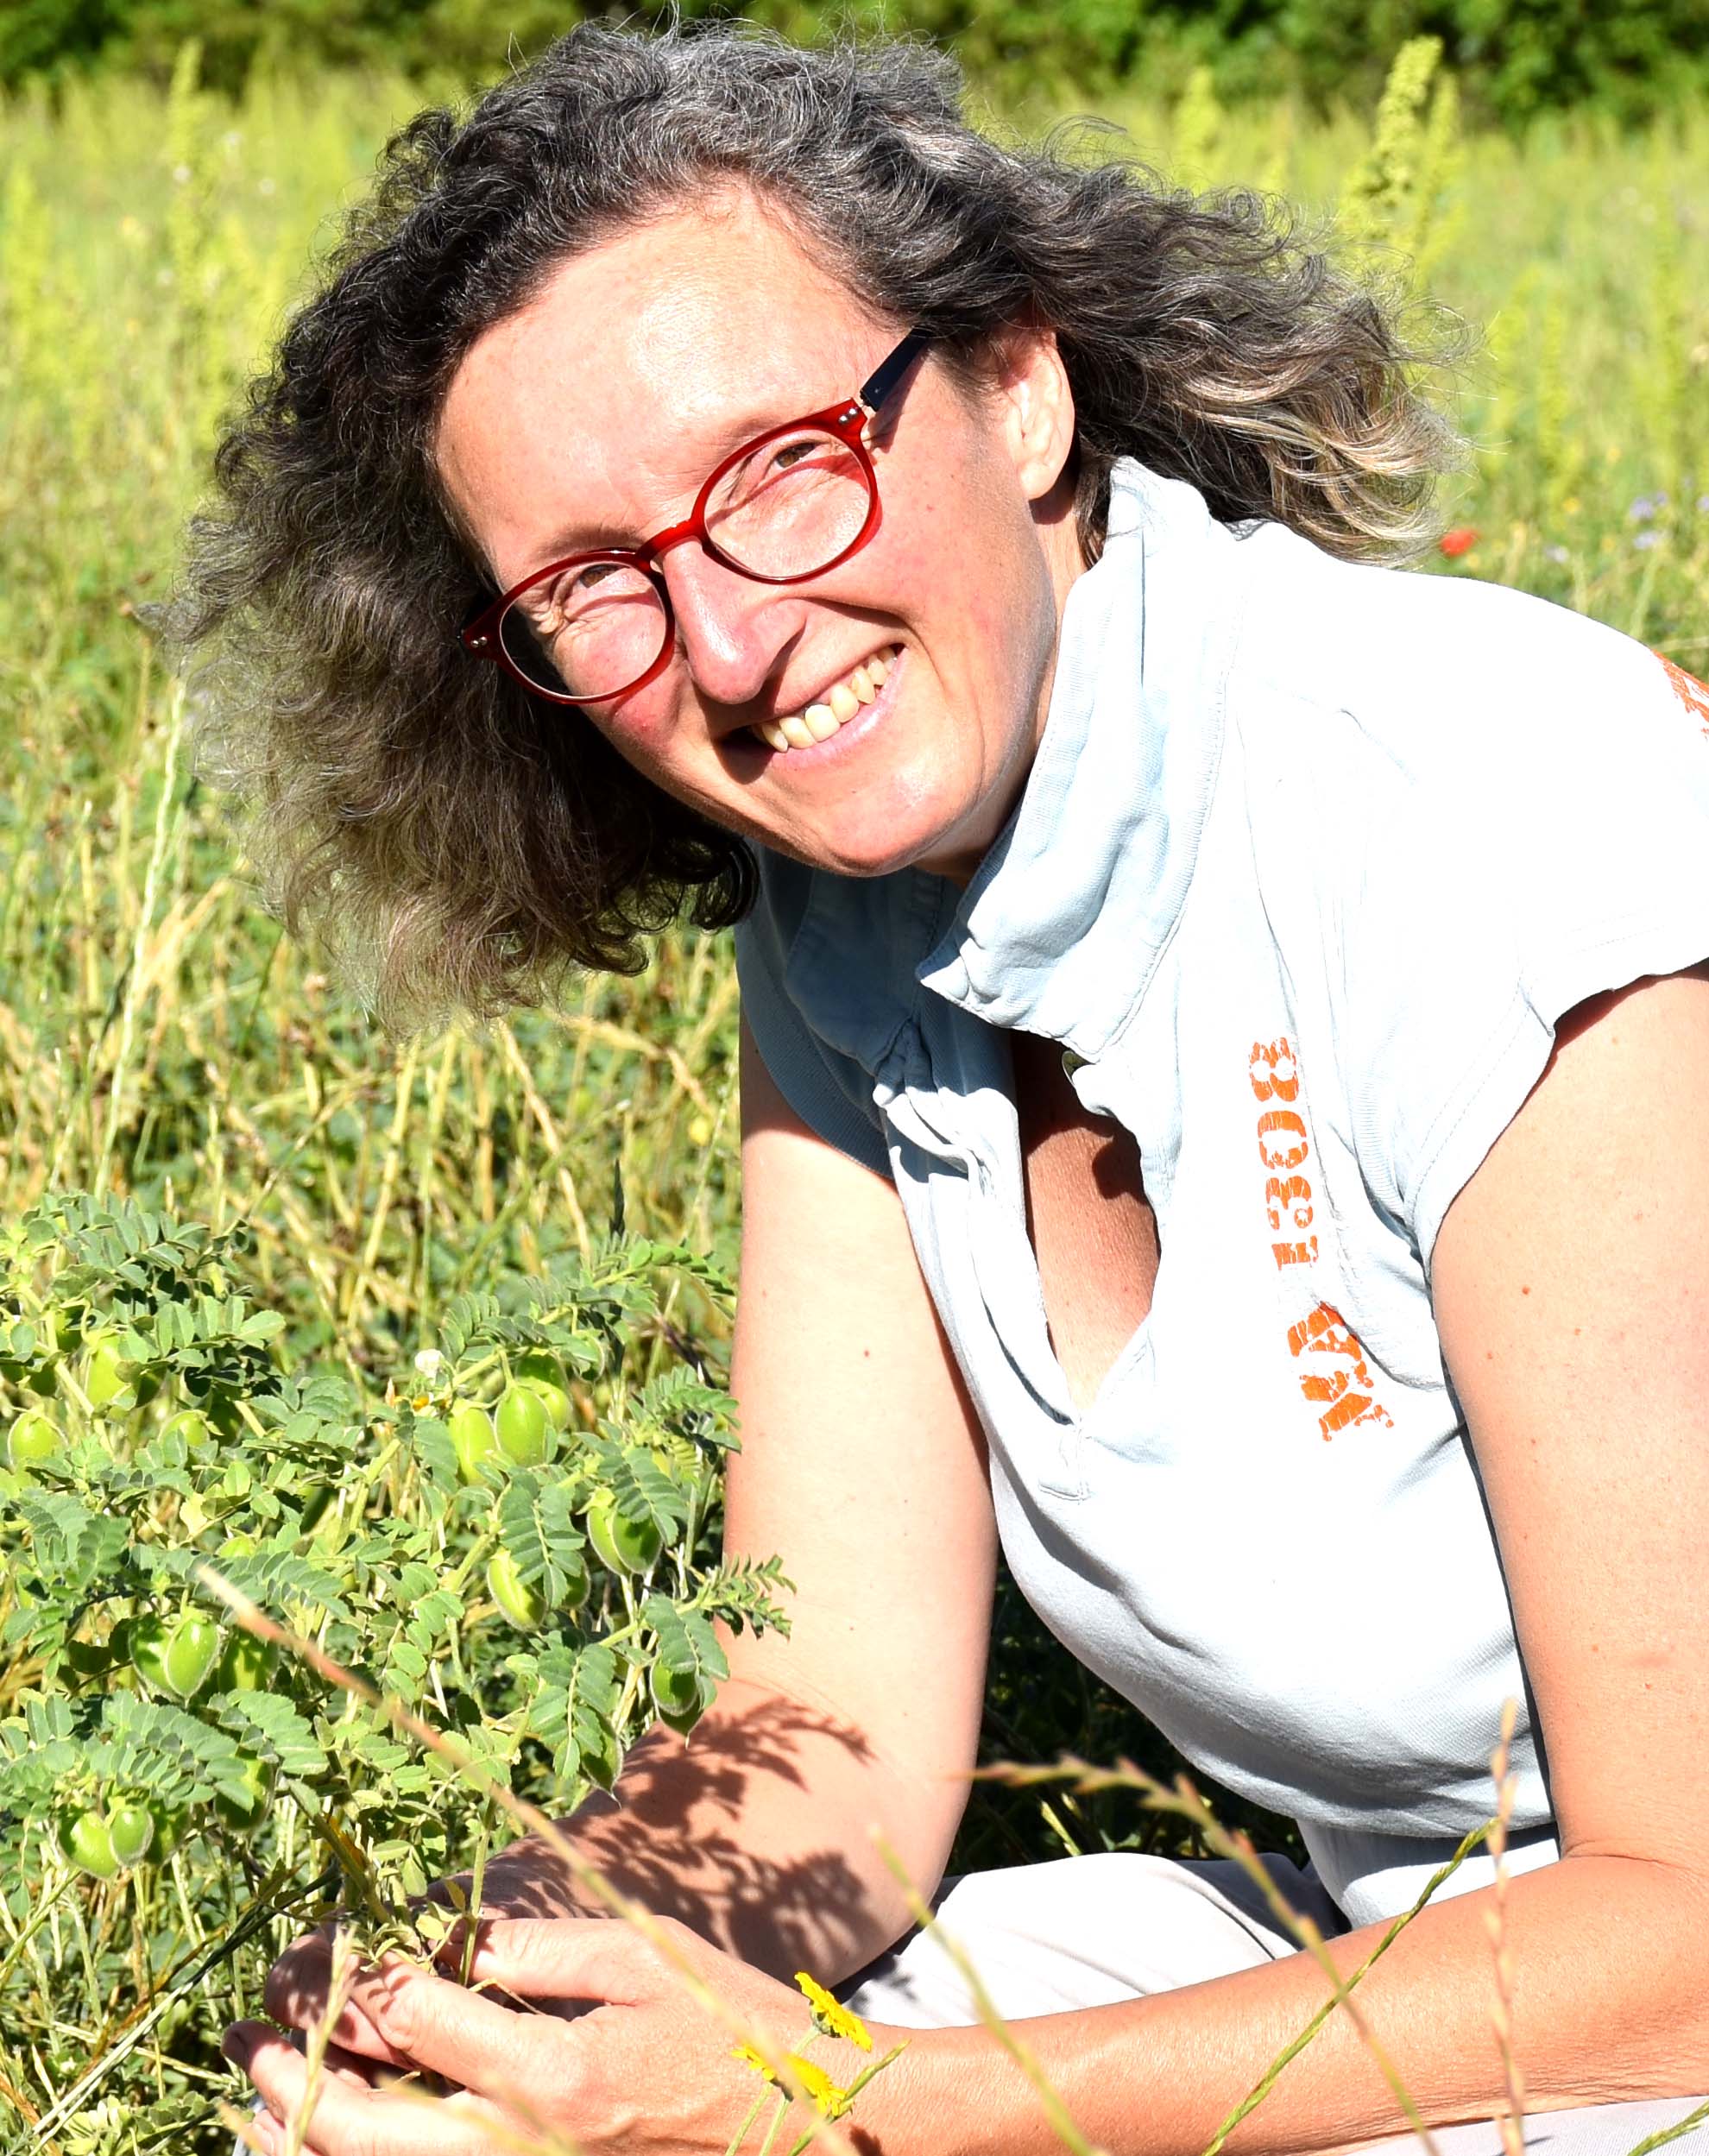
(158, 1037)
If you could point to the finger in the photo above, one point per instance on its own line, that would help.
(363, 2072)
(299, 1986)
(340, 2118)
(520, 2059)
(592, 1958)
(298, 1982)
(259, 2131)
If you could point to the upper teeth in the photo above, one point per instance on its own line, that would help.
(820, 721)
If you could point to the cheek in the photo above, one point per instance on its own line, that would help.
(993, 623)
(988, 562)
(1009, 608)
(646, 734)
(915, 566)
(640, 729)
(948, 534)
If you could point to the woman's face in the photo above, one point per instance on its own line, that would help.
(591, 418)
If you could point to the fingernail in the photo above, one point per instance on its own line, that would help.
(238, 2046)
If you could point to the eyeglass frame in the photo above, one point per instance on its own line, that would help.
(851, 421)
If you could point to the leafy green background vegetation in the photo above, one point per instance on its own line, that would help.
(161, 1047)
(1517, 58)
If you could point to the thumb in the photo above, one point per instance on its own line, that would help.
(592, 1958)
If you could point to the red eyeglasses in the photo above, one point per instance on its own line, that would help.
(787, 505)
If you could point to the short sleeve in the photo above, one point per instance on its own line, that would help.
(1542, 835)
(828, 1090)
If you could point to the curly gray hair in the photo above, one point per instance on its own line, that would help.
(463, 843)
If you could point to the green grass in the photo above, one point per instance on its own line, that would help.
(157, 1037)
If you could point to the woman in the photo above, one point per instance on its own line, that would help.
(1127, 870)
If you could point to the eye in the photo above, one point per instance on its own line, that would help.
(767, 482)
(787, 455)
(591, 575)
(564, 598)
(576, 586)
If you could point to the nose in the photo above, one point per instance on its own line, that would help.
(733, 632)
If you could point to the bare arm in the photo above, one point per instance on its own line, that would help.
(863, 1463)
(863, 1466)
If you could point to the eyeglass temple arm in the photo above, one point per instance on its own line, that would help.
(886, 379)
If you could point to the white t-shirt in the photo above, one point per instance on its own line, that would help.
(1310, 859)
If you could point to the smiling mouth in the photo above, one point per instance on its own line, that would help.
(842, 702)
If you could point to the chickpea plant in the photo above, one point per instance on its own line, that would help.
(516, 1535)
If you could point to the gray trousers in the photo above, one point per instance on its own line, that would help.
(1090, 1931)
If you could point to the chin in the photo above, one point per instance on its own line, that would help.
(880, 847)
(878, 860)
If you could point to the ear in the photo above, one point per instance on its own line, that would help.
(1031, 386)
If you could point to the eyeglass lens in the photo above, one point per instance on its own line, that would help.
(788, 507)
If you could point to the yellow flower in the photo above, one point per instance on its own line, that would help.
(830, 2016)
(828, 2101)
(749, 2056)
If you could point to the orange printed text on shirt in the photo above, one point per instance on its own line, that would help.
(1690, 691)
(1337, 1378)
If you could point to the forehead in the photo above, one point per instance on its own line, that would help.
(604, 401)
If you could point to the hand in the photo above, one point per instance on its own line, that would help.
(525, 1879)
(644, 2069)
